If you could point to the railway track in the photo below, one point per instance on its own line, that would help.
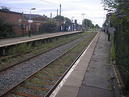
(41, 82)
(12, 60)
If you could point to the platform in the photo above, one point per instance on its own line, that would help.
(91, 75)
(13, 41)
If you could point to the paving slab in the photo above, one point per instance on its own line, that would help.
(97, 79)
(76, 79)
(68, 91)
(86, 91)
(98, 74)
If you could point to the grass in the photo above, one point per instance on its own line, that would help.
(20, 49)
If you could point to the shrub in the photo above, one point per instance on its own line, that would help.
(6, 29)
(48, 27)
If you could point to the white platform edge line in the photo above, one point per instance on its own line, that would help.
(54, 93)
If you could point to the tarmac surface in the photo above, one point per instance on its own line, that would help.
(92, 75)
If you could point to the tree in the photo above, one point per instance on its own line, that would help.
(97, 26)
(61, 18)
(87, 24)
(119, 18)
(64, 22)
(67, 23)
(48, 27)
(3, 8)
(109, 4)
(6, 29)
(120, 7)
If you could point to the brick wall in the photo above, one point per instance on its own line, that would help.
(14, 19)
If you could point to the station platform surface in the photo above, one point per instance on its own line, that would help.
(92, 75)
(13, 41)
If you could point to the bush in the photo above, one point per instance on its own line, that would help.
(113, 52)
(6, 29)
(48, 27)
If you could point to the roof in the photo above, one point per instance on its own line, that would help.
(27, 16)
(11, 12)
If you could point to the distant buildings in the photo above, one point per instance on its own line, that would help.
(13, 18)
(20, 23)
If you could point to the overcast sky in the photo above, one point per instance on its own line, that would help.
(73, 9)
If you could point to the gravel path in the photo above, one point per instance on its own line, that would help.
(18, 73)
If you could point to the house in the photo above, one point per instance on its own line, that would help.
(20, 22)
(37, 22)
(15, 19)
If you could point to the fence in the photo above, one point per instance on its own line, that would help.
(121, 44)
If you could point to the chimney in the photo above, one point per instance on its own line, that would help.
(60, 9)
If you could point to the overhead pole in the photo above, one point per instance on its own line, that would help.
(83, 16)
(51, 15)
(57, 12)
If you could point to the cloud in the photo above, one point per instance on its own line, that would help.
(17, 1)
(70, 8)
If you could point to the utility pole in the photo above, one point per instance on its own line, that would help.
(51, 15)
(83, 15)
(60, 20)
(72, 26)
(57, 12)
(30, 21)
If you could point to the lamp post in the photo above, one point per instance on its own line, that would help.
(72, 26)
(30, 21)
(83, 15)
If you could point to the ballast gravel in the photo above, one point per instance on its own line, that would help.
(15, 75)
